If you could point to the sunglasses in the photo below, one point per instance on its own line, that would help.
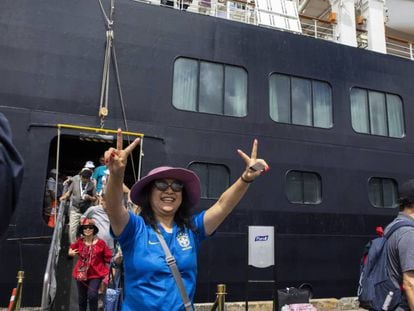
(88, 227)
(163, 185)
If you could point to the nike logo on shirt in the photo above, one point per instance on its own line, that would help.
(153, 243)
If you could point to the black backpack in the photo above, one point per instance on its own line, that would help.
(376, 290)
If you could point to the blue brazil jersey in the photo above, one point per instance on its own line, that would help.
(149, 283)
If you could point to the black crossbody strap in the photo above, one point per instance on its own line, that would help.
(169, 258)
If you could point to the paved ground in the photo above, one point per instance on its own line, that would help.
(329, 304)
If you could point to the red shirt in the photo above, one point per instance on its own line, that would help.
(98, 256)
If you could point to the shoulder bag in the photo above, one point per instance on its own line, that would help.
(169, 258)
(82, 271)
(114, 292)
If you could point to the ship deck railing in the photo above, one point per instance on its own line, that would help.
(245, 11)
(316, 27)
(400, 47)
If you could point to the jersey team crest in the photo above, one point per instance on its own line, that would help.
(183, 240)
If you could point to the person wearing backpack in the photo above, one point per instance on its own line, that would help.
(400, 247)
(387, 267)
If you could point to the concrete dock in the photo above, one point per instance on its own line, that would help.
(325, 304)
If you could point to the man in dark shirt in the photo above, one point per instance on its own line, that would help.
(82, 194)
(11, 174)
(401, 248)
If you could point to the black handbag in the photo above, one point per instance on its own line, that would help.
(291, 295)
(83, 206)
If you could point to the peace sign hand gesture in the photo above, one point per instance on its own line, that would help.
(254, 166)
(116, 159)
(228, 200)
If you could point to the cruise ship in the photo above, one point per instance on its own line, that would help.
(325, 87)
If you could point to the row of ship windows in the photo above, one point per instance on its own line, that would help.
(221, 89)
(301, 187)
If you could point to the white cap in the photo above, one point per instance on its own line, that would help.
(89, 164)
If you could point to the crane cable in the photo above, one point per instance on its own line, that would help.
(110, 51)
(103, 103)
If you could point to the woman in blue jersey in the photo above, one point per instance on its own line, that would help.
(166, 196)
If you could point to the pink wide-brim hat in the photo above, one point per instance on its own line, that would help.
(188, 178)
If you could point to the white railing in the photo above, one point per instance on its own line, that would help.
(235, 10)
(399, 47)
(246, 12)
(316, 28)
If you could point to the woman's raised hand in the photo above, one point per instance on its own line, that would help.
(116, 159)
(254, 166)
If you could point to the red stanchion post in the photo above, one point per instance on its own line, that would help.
(13, 296)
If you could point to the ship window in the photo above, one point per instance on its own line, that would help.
(303, 187)
(377, 113)
(209, 87)
(214, 178)
(383, 192)
(300, 101)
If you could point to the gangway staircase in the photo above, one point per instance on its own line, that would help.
(59, 288)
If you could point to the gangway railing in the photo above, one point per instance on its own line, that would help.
(49, 279)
